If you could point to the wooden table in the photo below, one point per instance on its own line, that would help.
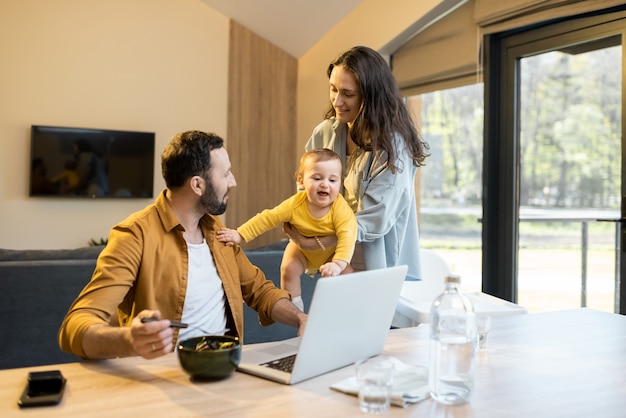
(559, 364)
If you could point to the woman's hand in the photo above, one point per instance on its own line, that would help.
(308, 243)
(293, 234)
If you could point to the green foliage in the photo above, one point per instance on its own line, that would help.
(461, 223)
(570, 129)
(450, 230)
(93, 242)
(569, 134)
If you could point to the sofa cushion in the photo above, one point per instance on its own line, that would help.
(34, 298)
(275, 246)
(84, 253)
(268, 260)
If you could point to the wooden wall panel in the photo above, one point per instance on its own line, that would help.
(261, 137)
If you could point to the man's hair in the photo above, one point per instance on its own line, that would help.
(317, 155)
(188, 154)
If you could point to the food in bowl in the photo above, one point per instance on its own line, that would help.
(210, 356)
(205, 345)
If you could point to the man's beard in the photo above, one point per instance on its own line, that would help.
(210, 203)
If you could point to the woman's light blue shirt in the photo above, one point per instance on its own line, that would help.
(384, 202)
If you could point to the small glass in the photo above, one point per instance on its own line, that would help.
(375, 378)
(483, 325)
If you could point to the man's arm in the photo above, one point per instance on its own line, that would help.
(149, 340)
(286, 312)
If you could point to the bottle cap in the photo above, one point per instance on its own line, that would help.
(453, 278)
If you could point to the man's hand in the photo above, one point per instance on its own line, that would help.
(151, 339)
(302, 317)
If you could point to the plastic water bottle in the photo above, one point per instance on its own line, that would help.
(452, 335)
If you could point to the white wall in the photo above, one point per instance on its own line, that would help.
(148, 65)
(372, 23)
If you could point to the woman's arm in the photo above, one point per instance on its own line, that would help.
(308, 243)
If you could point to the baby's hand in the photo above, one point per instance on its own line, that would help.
(228, 236)
(330, 269)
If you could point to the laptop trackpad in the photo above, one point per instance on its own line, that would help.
(271, 352)
(280, 349)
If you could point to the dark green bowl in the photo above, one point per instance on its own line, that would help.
(210, 363)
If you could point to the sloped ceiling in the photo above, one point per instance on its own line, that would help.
(292, 25)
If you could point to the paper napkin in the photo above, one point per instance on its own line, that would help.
(410, 384)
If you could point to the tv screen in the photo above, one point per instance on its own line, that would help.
(93, 163)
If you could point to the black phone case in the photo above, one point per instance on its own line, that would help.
(43, 389)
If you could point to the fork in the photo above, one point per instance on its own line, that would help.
(176, 324)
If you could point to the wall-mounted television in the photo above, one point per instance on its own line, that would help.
(91, 163)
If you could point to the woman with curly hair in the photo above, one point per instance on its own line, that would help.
(369, 126)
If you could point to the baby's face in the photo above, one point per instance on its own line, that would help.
(321, 181)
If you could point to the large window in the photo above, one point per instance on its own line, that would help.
(515, 187)
(554, 165)
(570, 130)
(451, 180)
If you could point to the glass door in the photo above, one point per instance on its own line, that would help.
(554, 165)
(570, 161)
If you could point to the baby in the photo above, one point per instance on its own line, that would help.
(319, 209)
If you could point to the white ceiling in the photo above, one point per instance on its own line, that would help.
(292, 25)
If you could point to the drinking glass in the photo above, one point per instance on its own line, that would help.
(375, 379)
(483, 325)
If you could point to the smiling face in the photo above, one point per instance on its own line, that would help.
(321, 181)
(345, 94)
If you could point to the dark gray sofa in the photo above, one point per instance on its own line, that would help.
(38, 286)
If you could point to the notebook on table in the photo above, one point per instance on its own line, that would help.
(349, 319)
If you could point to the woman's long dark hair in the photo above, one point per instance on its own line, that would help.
(383, 113)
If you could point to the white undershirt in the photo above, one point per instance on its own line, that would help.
(204, 302)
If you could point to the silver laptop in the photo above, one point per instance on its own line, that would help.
(349, 319)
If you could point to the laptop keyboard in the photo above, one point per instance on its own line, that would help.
(285, 363)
